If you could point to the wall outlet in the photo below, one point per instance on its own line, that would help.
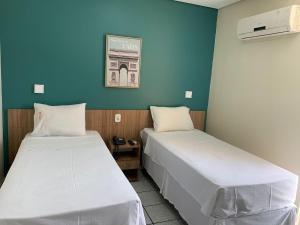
(188, 94)
(118, 118)
(39, 89)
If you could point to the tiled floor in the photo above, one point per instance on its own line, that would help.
(157, 210)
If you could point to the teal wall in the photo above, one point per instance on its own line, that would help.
(61, 43)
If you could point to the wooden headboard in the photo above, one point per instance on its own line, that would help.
(20, 122)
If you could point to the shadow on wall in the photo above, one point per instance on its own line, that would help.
(1, 129)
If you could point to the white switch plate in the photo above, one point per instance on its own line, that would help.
(39, 89)
(188, 94)
(117, 118)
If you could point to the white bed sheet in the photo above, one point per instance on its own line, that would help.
(190, 210)
(224, 180)
(67, 181)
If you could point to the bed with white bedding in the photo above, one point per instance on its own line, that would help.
(67, 181)
(212, 182)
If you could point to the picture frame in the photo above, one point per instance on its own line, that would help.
(123, 61)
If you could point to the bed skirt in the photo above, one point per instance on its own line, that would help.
(190, 210)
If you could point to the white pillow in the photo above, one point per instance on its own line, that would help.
(171, 119)
(65, 120)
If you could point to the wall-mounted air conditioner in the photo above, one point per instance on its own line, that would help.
(278, 22)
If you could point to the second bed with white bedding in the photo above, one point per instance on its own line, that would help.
(67, 181)
(224, 180)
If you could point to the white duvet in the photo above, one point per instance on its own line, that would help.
(67, 181)
(226, 181)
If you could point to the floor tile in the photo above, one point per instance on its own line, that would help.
(151, 198)
(147, 218)
(172, 222)
(142, 175)
(161, 213)
(143, 185)
(158, 211)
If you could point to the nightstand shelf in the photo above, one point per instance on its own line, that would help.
(128, 158)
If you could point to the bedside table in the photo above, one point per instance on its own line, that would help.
(128, 158)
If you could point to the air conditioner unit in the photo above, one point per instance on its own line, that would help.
(278, 22)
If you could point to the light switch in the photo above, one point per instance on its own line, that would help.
(39, 89)
(188, 94)
(117, 118)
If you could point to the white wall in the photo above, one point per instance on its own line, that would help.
(255, 90)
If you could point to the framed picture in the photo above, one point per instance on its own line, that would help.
(123, 62)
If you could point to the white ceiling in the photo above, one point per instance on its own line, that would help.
(210, 3)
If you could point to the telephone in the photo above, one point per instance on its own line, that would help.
(119, 140)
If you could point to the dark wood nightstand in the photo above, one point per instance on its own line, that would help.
(128, 158)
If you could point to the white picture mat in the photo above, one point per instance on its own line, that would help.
(123, 61)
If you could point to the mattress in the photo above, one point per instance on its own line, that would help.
(67, 181)
(190, 210)
(224, 180)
